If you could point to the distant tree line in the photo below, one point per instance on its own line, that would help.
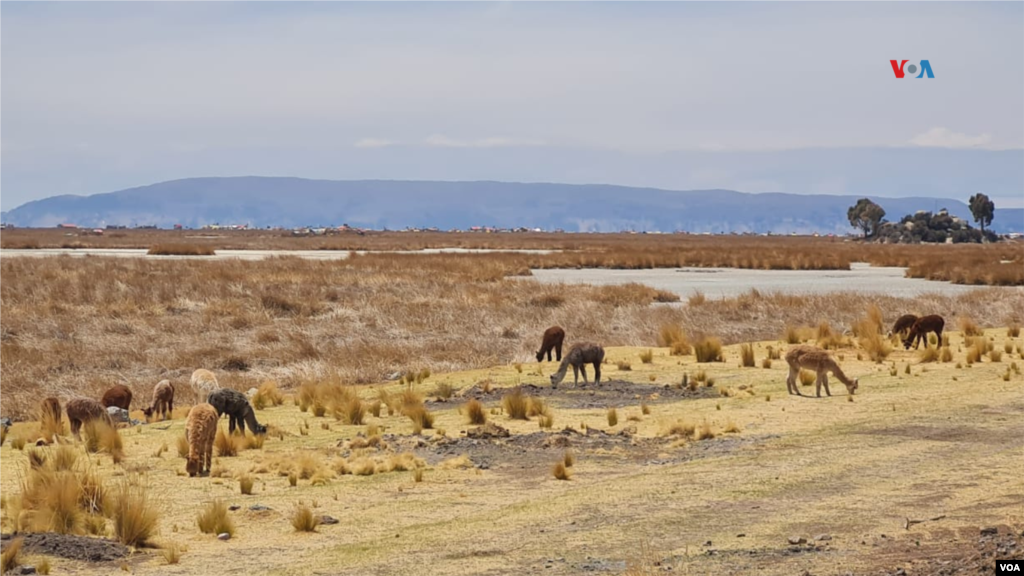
(924, 226)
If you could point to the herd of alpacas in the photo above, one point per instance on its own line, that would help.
(202, 419)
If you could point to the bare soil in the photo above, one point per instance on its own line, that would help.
(70, 546)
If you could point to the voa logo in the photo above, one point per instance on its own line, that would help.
(902, 69)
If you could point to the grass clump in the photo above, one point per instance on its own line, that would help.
(645, 409)
(807, 377)
(672, 336)
(245, 483)
(730, 428)
(623, 365)
(135, 517)
(766, 363)
(647, 356)
(224, 444)
(747, 355)
(969, 327)
(421, 418)
(1013, 331)
(182, 446)
(995, 355)
(516, 404)
(100, 436)
(475, 412)
(267, 395)
(704, 432)
(180, 250)
(929, 355)
(613, 417)
(214, 519)
(445, 390)
(679, 428)
(560, 472)
(303, 519)
(171, 553)
(708, 350)
(568, 458)
(11, 557)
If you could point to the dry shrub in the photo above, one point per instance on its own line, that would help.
(697, 298)
(807, 377)
(679, 428)
(303, 519)
(946, 355)
(730, 428)
(457, 463)
(267, 395)
(647, 356)
(135, 517)
(1013, 331)
(995, 355)
(182, 445)
(444, 391)
(613, 417)
(704, 432)
(245, 483)
(475, 412)
(362, 467)
(645, 409)
(928, 355)
(50, 427)
(214, 519)
(226, 445)
(828, 339)
(63, 458)
(59, 500)
(560, 472)
(180, 250)
(623, 365)
(516, 404)
(171, 553)
(351, 410)
(253, 441)
(792, 335)
(421, 418)
(969, 327)
(100, 436)
(976, 348)
(672, 336)
(708, 350)
(417, 475)
(877, 347)
(11, 559)
(766, 363)
(747, 355)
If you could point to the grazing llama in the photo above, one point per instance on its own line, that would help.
(200, 431)
(579, 355)
(118, 395)
(919, 331)
(82, 410)
(237, 407)
(163, 400)
(902, 325)
(821, 363)
(553, 338)
(203, 382)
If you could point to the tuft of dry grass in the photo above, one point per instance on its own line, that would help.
(613, 417)
(171, 553)
(766, 363)
(43, 567)
(807, 377)
(697, 298)
(135, 517)
(421, 418)
(475, 412)
(444, 390)
(214, 519)
(267, 395)
(1013, 331)
(792, 335)
(929, 355)
(50, 427)
(747, 355)
(645, 409)
(417, 475)
(568, 459)
(182, 445)
(180, 249)
(560, 472)
(647, 356)
(63, 458)
(623, 365)
(100, 436)
(672, 336)
(245, 483)
(708, 350)
(946, 355)
(969, 327)
(11, 557)
(995, 355)
(976, 349)
(730, 428)
(679, 428)
(516, 404)
(225, 445)
(303, 519)
(704, 432)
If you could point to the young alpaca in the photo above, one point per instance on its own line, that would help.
(919, 331)
(203, 382)
(118, 395)
(82, 410)
(821, 362)
(904, 323)
(553, 338)
(579, 355)
(163, 400)
(200, 431)
(237, 407)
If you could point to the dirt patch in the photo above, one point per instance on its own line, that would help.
(72, 547)
(943, 434)
(590, 395)
(965, 551)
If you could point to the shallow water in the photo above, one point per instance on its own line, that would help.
(244, 254)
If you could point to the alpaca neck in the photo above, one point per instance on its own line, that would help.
(838, 372)
(250, 420)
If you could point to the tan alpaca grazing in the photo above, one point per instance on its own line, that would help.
(200, 431)
(578, 357)
(818, 360)
(163, 400)
(203, 382)
(82, 410)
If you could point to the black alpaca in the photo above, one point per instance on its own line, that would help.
(236, 406)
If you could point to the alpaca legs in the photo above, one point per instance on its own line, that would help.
(583, 369)
(558, 353)
(597, 372)
(575, 376)
(824, 380)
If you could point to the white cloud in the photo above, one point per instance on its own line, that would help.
(374, 143)
(442, 141)
(946, 138)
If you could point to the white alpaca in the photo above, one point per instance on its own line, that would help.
(203, 382)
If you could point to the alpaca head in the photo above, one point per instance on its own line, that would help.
(260, 429)
(192, 467)
(852, 387)
(540, 356)
(556, 378)
(148, 412)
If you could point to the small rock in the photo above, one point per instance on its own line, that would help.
(27, 570)
(823, 537)
(5, 422)
(901, 572)
(223, 536)
(990, 531)
(258, 508)
(234, 507)
(741, 535)
(325, 519)
(489, 430)
(708, 543)
(117, 414)
(797, 540)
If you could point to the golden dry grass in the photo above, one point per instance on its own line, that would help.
(560, 472)
(747, 355)
(135, 517)
(303, 519)
(516, 404)
(613, 417)
(10, 559)
(214, 519)
(475, 412)
(708, 349)
(180, 250)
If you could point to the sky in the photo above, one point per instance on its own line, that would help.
(96, 97)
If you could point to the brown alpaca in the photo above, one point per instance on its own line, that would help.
(919, 331)
(579, 355)
(203, 382)
(553, 338)
(902, 325)
(200, 431)
(821, 363)
(50, 407)
(163, 400)
(118, 395)
(82, 410)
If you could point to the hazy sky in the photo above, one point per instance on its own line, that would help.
(102, 96)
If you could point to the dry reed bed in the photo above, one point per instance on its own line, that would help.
(77, 325)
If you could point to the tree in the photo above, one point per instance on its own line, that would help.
(866, 215)
(983, 210)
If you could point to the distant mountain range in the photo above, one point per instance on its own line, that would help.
(394, 204)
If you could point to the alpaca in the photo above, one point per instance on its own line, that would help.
(553, 338)
(203, 382)
(82, 410)
(579, 355)
(200, 431)
(919, 331)
(904, 323)
(163, 400)
(237, 407)
(118, 395)
(820, 362)
(50, 407)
